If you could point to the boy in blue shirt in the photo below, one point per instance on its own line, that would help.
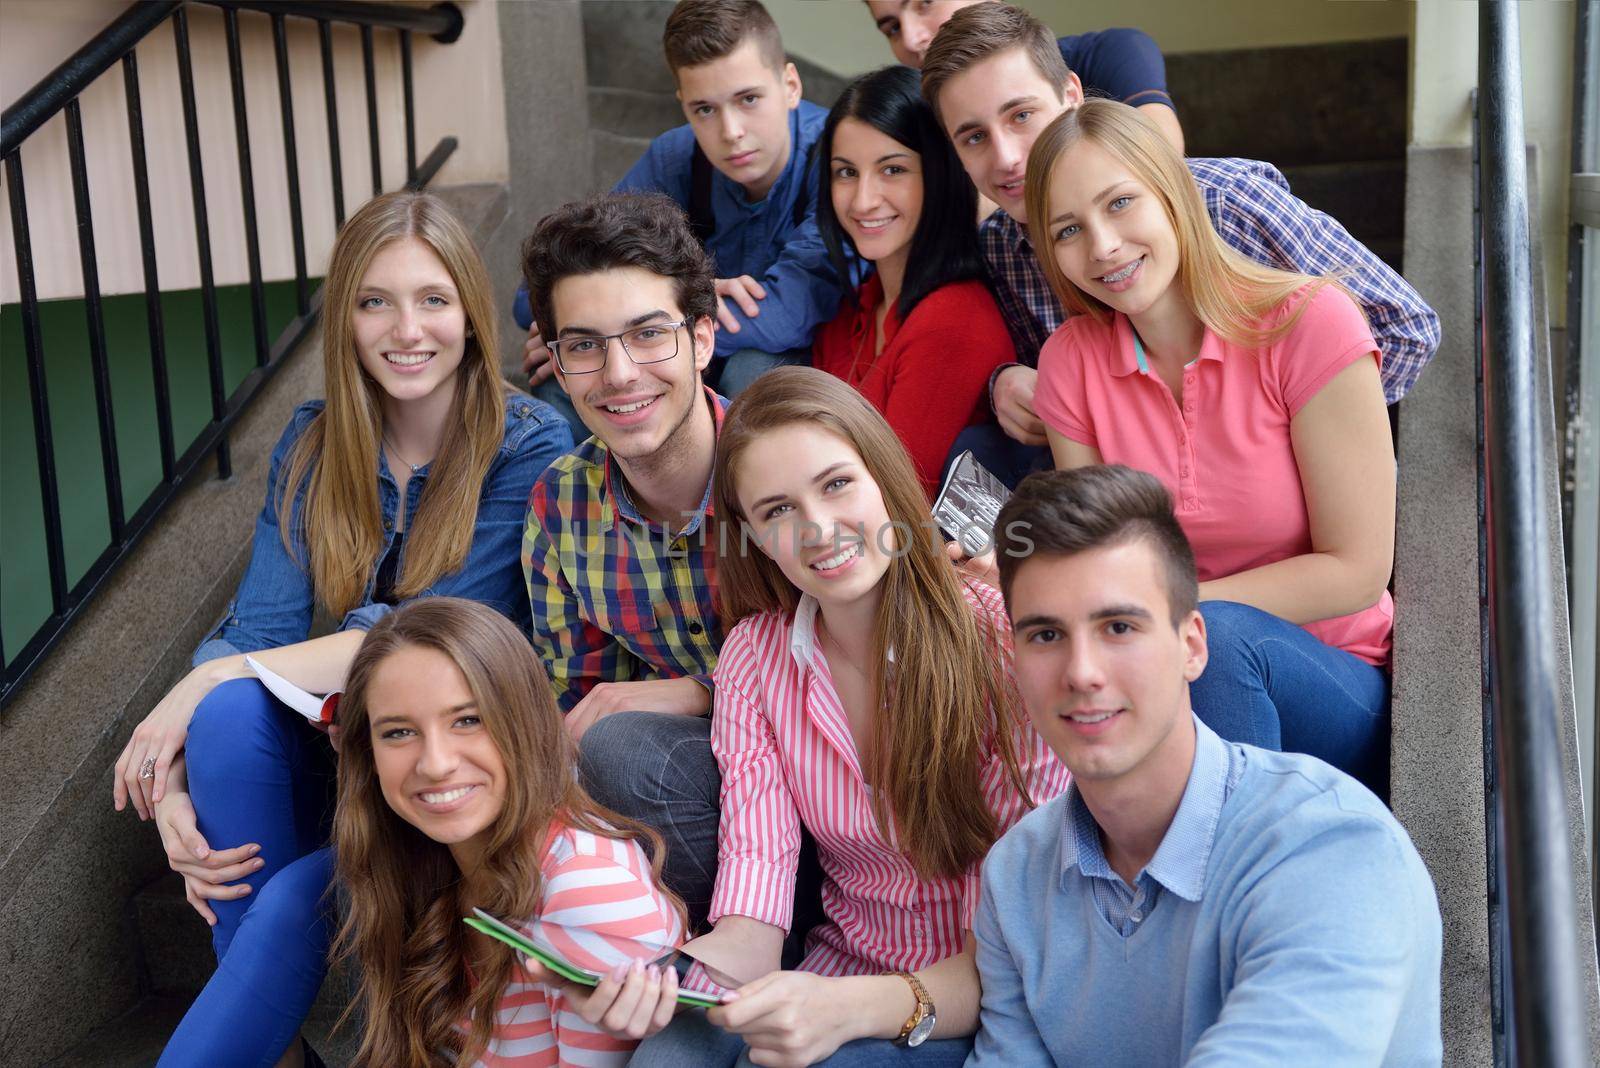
(1187, 900)
(1116, 64)
(741, 169)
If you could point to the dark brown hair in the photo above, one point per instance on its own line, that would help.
(404, 889)
(948, 692)
(645, 230)
(699, 31)
(975, 33)
(1063, 513)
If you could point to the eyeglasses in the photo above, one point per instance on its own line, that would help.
(651, 343)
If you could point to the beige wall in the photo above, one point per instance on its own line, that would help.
(839, 35)
(1445, 70)
(457, 92)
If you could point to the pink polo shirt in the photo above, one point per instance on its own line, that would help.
(1226, 457)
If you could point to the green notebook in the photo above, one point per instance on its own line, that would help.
(546, 953)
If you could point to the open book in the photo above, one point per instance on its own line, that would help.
(319, 710)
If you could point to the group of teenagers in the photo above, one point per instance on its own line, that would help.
(710, 680)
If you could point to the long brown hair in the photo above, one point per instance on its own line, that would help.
(404, 889)
(1231, 294)
(339, 515)
(948, 693)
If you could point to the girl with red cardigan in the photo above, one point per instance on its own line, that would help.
(922, 334)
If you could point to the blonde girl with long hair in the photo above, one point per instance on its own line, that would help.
(1254, 395)
(409, 480)
(864, 694)
(458, 790)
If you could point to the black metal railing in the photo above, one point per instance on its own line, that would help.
(1540, 1018)
(59, 93)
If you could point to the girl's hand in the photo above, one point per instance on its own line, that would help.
(982, 567)
(632, 1002)
(208, 874)
(790, 1019)
(141, 771)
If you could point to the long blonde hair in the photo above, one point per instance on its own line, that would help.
(948, 693)
(328, 493)
(1231, 294)
(404, 889)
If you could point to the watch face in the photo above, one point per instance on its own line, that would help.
(919, 1034)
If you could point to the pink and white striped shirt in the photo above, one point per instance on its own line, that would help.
(782, 739)
(598, 899)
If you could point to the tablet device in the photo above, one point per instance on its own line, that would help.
(582, 955)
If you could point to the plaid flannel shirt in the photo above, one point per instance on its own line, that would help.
(1250, 205)
(616, 597)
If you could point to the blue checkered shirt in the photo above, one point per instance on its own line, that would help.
(1254, 212)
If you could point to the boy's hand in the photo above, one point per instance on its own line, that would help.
(1013, 405)
(682, 697)
(536, 361)
(743, 291)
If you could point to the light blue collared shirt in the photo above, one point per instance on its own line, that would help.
(1284, 919)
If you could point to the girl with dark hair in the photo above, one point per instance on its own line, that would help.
(457, 791)
(921, 336)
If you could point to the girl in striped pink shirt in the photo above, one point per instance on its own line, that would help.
(864, 693)
(457, 791)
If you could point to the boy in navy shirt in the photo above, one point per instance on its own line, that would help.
(740, 168)
(1118, 64)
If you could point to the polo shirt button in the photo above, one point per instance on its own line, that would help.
(1135, 915)
(695, 628)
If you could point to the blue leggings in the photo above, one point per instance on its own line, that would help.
(259, 773)
(1272, 684)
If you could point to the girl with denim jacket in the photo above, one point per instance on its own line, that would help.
(411, 480)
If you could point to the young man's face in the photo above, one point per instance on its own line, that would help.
(994, 111)
(633, 408)
(738, 107)
(909, 25)
(1102, 669)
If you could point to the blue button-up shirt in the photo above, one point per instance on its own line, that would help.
(757, 238)
(1284, 919)
(1253, 211)
(275, 601)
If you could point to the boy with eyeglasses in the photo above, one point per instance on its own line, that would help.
(617, 550)
(739, 167)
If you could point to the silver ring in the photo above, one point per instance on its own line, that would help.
(147, 770)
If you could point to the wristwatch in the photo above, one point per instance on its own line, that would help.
(919, 1025)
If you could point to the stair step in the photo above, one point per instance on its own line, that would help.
(136, 1039)
(1300, 104)
(632, 112)
(1369, 198)
(622, 44)
(612, 155)
(175, 940)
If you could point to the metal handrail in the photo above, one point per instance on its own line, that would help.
(1533, 890)
(58, 93)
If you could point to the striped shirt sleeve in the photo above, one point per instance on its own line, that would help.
(758, 845)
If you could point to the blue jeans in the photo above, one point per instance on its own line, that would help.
(259, 773)
(1009, 461)
(731, 374)
(659, 769)
(1272, 684)
(692, 1041)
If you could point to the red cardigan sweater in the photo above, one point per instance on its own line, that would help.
(931, 379)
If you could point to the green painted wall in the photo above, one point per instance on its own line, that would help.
(80, 478)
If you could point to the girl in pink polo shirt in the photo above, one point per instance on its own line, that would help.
(1253, 394)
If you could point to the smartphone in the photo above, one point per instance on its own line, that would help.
(582, 955)
(969, 503)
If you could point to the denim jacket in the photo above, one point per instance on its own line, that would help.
(275, 601)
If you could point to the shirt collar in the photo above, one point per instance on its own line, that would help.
(1015, 234)
(803, 633)
(616, 486)
(1130, 357)
(1180, 861)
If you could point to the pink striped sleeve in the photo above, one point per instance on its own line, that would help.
(758, 845)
